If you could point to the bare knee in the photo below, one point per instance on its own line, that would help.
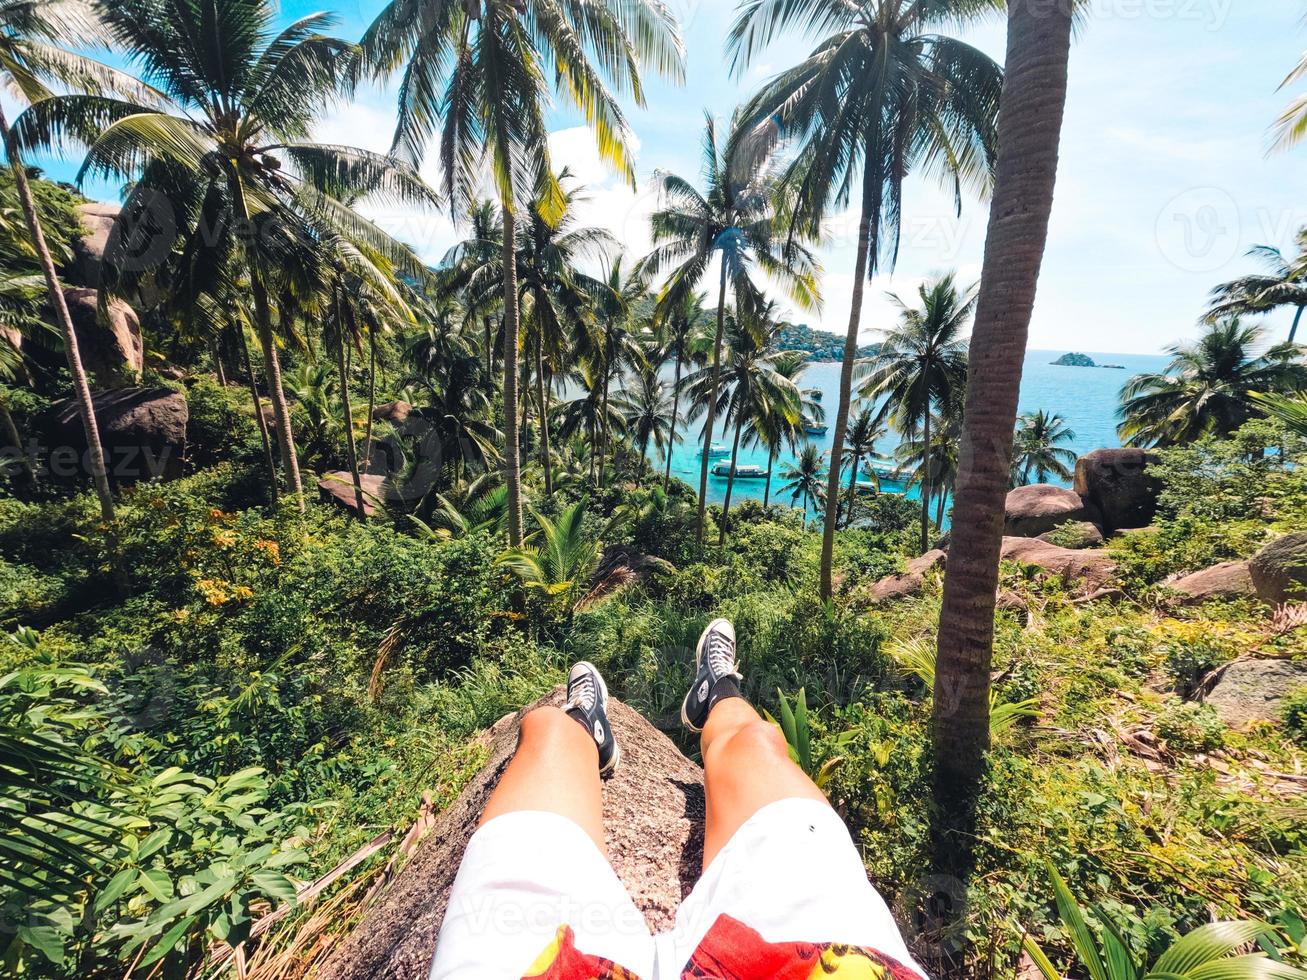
(547, 724)
(756, 739)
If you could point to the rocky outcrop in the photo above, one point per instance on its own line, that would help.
(1229, 580)
(142, 431)
(97, 218)
(112, 349)
(1037, 509)
(1075, 534)
(910, 581)
(653, 811)
(1117, 484)
(396, 413)
(1254, 690)
(338, 488)
(1279, 571)
(1091, 569)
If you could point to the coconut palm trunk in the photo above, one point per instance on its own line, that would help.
(603, 425)
(711, 420)
(927, 463)
(271, 364)
(15, 439)
(543, 404)
(853, 489)
(512, 448)
(730, 483)
(867, 235)
(676, 409)
(1297, 321)
(351, 450)
(259, 417)
(766, 493)
(1030, 125)
(372, 395)
(81, 386)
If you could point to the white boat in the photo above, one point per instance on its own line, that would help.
(717, 450)
(882, 467)
(814, 428)
(741, 472)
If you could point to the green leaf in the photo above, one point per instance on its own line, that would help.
(208, 896)
(1207, 943)
(44, 939)
(1253, 966)
(1039, 958)
(170, 939)
(276, 886)
(787, 721)
(113, 891)
(1081, 938)
(802, 732)
(158, 884)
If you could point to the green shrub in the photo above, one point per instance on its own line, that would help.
(1294, 713)
(221, 425)
(1189, 727)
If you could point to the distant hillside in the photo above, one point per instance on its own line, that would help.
(821, 345)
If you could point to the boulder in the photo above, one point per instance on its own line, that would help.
(1094, 568)
(653, 812)
(1117, 484)
(910, 581)
(1037, 509)
(1229, 580)
(98, 218)
(142, 431)
(338, 488)
(396, 413)
(1279, 571)
(111, 350)
(1075, 534)
(1254, 690)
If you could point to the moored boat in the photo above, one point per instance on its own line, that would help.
(717, 450)
(741, 472)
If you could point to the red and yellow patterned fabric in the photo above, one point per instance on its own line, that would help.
(732, 951)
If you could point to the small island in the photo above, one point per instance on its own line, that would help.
(819, 345)
(1084, 360)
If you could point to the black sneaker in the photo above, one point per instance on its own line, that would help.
(587, 702)
(713, 660)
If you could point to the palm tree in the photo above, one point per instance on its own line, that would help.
(935, 462)
(1291, 410)
(1207, 387)
(1284, 284)
(806, 479)
(33, 57)
(554, 296)
(1037, 448)
(734, 221)
(864, 432)
(474, 268)
(1030, 129)
(650, 412)
(1291, 127)
(882, 91)
(612, 339)
(679, 338)
(243, 100)
(476, 74)
(921, 366)
(779, 424)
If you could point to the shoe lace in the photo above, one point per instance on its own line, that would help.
(582, 692)
(720, 654)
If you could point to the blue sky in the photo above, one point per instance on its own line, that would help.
(1164, 184)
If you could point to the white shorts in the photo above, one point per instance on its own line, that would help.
(791, 873)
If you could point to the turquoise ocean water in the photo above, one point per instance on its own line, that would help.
(1086, 397)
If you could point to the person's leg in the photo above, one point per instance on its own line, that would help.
(536, 865)
(746, 767)
(555, 770)
(780, 868)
